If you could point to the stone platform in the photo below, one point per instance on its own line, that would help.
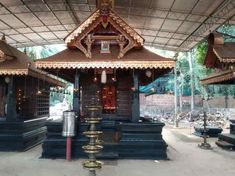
(211, 131)
(227, 141)
(122, 140)
(21, 135)
(184, 156)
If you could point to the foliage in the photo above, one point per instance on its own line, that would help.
(165, 85)
(228, 31)
(39, 52)
(200, 52)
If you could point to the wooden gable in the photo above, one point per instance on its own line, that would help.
(104, 25)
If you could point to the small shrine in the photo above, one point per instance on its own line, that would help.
(24, 100)
(106, 59)
(221, 57)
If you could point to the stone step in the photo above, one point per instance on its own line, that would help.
(230, 138)
(107, 155)
(225, 145)
(211, 131)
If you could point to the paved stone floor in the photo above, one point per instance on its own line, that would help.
(185, 159)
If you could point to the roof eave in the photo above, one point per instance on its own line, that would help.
(218, 78)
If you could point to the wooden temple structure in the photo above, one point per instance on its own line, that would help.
(24, 100)
(105, 59)
(221, 57)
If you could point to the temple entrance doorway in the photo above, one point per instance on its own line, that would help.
(109, 99)
(109, 107)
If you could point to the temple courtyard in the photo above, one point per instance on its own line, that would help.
(185, 158)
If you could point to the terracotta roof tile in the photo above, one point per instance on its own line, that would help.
(221, 77)
(69, 56)
(20, 64)
(225, 52)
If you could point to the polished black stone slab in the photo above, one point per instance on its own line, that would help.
(211, 131)
(142, 141)
(139, 140)
(21, 135)
(227, 141)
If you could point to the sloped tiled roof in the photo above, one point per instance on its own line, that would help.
(225, 52)
(221, 77)
(135, 58)
(219, 51)
(20, 64)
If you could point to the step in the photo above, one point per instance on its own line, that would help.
(230, 138)
(225, 145)
(107, 155)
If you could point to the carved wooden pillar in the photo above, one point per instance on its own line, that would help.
(76, 93)
(89, 42)
(135, 103)
(11, 100)
(121, 42)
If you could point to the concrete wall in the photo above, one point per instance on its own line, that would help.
(159, 104)
(220, 102)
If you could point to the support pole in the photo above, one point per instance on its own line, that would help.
(68, 148)
(226, 97)
(190, 60)
(136, 103)
(11, 101)
(175, 98)
(76, 93)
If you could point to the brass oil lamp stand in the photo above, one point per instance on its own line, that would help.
(94, 146)
(204, 144)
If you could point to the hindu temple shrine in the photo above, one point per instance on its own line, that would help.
(24, 100)
(221, 56)
(106, 61)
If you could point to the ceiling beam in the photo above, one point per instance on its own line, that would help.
(225, 9)
(53, 13)
(73, 15)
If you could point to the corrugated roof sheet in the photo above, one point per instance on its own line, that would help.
(166, 24)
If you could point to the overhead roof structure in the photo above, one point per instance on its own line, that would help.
(134, 59)
(220, 54)
(15, 62)
(176, 25)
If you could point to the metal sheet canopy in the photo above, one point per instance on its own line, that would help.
(69, 119)
(176, 25)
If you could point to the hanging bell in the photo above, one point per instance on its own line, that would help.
(103, 77)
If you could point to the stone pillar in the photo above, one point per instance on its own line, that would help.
(136, 101)
(11, 101)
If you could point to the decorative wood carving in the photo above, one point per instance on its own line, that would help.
(122, 64)
(84, 34)
(131, 42)
(103, 17)
(2, 55)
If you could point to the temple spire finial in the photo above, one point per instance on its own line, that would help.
(105, 3)
(3, 38)
(25, 51)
